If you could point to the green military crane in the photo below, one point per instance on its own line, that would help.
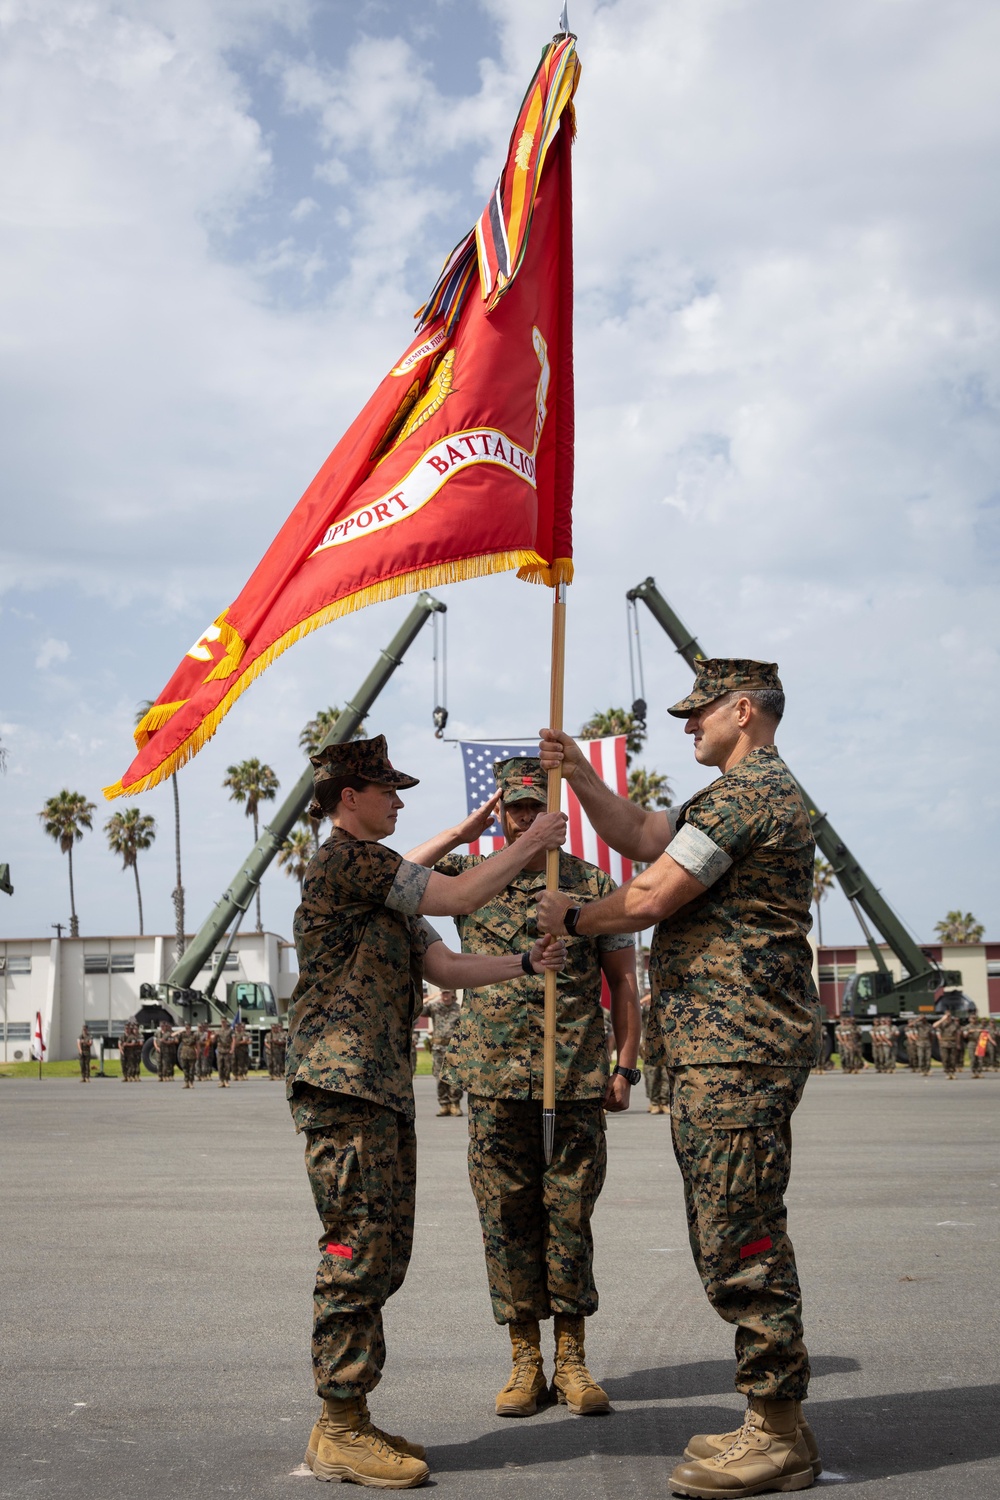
(872, 994)
(175, 999)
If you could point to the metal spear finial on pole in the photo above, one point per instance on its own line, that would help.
(554, 797)
(564, 20)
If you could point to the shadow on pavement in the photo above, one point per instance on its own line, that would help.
(709, 1377)
(860, 1439)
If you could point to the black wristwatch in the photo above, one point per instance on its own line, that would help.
(570, 918)
(526, 963)
(631, 1075)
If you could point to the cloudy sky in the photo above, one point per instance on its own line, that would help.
(217, 219)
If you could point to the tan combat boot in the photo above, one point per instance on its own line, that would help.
(412, 1450)
(456, 1110)
(572, 1384)
(349, 1447)
(710, 1444)
(769, 1453)
(527, 1384)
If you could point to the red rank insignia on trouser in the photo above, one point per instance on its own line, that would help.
(757, 1247)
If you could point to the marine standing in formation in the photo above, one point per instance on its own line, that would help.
(536, 1218)
(187, 1054)
(922, 1044)
(130, 1051)
(224, 1054)
(274, 1051)
(206, 1041)
(654, 1075)
(84, 1043)
(241, 1052)
(884, 1045)
(949, 1034)
(849, 1045)
(364, 947)
(445, 1013)
(165, 1048)
(735, 1019)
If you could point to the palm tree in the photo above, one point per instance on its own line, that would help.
(64, 818)
(959, 927)
(3, 756)
(177, 895)
(252, 782)
(295, 854)
(822, 883)
(615, 721)
(128, 833)
(316, 731)
(649, 788)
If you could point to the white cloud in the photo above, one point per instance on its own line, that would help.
(50, 651)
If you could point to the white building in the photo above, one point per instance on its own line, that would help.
(96, 979)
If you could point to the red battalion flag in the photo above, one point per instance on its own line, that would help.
(461, 464)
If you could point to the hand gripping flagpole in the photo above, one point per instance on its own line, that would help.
(552, 871)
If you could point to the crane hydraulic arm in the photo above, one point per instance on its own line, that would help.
(922, 975)
(239, 892)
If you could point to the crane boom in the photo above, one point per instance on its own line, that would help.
(922, 975)
(239, 892)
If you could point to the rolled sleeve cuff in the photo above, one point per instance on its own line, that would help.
(407, 890)
(695, 852)
(610, 942)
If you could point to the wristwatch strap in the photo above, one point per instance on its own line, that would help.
(570, 918)
(526, 962)
(632, 1075)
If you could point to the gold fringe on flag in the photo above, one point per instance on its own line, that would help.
(155, 719)
(529, 565)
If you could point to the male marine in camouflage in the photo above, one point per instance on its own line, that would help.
(922, 1044)
(735, 1018)
(364, 947)
(445, 1013)
(224, 1054)
(84, 1043)
(849, 1045)
(165, 1047)
(205, 1042)
(241, 1053)
(187, 1054)
(536, 1218)
(949, 1035)
(274, 1051)
(130, 1050)
(654, 1074)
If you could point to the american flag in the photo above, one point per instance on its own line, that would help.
(607, 756)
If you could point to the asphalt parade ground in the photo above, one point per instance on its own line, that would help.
(159, 1247)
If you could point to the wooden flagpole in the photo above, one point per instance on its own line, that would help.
(552, 870)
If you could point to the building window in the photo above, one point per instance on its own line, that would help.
(96, 963)
(123, 963)
(232, 961)
(18, 1031)
(830, 974)
(15, 963)
(993, 968)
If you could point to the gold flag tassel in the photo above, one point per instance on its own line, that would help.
(554, 797)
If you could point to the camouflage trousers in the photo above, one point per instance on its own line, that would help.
(949, 1057)
(166, 1059)
(923, 1051)
(85, 1066)
(362, 1167)
(189, 1065)
(448, 1087)
(204, 1065)
(731, 1126)
(657, 1085)
(536, 1218)
(276, 1064)
(224, 1061)
(241, 1062)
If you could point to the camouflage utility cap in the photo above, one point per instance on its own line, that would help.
(721, 675)
(367, 759)
(521, 779)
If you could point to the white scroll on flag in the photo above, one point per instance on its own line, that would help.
(607, 756)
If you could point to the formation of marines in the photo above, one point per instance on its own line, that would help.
(196, 1050)
(734, 1024)
(955, 1036)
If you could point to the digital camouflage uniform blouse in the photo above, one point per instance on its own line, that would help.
(361, 947)
(498, 1048)
(731, 972)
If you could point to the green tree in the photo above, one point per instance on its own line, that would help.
(650, 789)
(611, 721)
(316, 731)
(177, 894)
(959, 927)
(252, 782)
(64, 817)
(130, 832)
(295, 854)
(822, 883)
